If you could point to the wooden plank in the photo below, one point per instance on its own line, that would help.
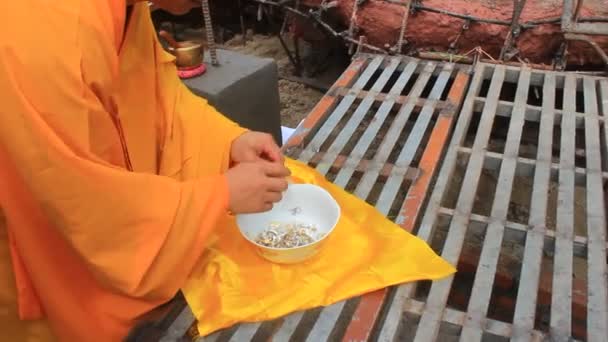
(390, 139)
(374, 127)
(525, 307)
(412, 144)
(429, 323)
(389, 326)
(561, 301)
(486, 270)
(334, 118)
(597, 279)
(353, 123)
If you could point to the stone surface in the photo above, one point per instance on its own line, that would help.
(244, 88)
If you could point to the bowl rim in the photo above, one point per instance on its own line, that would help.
(188, 45)
(335, 224)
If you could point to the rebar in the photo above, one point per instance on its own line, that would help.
(209, 30)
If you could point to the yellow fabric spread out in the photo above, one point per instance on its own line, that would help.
(365, 252)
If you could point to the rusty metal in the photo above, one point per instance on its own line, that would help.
(352, 26)
(209, 30)
(572, 24)
(508, 51)
(588, 40)
(406, 14)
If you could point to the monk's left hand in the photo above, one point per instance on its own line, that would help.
(253, 147)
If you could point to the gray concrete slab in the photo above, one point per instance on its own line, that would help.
(244, 88)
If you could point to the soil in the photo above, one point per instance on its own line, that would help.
(297, 100)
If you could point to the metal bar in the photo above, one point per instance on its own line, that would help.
(412, 144)
(603, 102)
(597, 280)
(568, 10)
(429, 323)
(390, 325)
(525, 307)
(518, 6)
(289, 326)
(517, 232)
(395, 97)
(369, 307)
(329, 315)
(322, 109)
(326, 322)
(533, 112)
(337, 115)
(180, 326)
(353, 24)
(593, 29)
(406, 14)
(347, 132)
(368, 180)
(484, 277)
(209, 30)
(596, 47)
(374, 127)
(245, 332)
(561, 301)
(527, 166)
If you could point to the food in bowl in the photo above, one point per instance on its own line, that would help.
(288, 235)
(305, 209)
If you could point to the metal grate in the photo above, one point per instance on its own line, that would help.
(540, 137)
(379, 133)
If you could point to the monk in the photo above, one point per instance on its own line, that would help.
(112, 174)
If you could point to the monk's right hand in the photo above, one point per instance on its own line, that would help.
(255, 187)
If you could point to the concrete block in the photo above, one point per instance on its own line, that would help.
(244, 88)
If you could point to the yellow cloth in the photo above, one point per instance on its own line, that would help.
(365, 252)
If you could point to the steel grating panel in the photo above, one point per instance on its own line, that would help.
(531, 139)
(379, 133)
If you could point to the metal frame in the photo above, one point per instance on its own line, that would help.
(474, 323)
(405, 164)
(571, 24)
(409, 132)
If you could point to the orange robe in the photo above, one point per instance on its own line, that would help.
(111, 171)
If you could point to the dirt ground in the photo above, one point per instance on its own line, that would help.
(297, 100)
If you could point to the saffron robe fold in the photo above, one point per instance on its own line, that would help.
(87, 245)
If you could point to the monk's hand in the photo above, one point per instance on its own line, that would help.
(254, 147)
(255, 187)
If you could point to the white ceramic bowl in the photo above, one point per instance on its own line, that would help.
(315, 206)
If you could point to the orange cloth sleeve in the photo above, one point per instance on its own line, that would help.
(93, 245)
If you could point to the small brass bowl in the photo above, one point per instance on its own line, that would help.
(188, 54)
